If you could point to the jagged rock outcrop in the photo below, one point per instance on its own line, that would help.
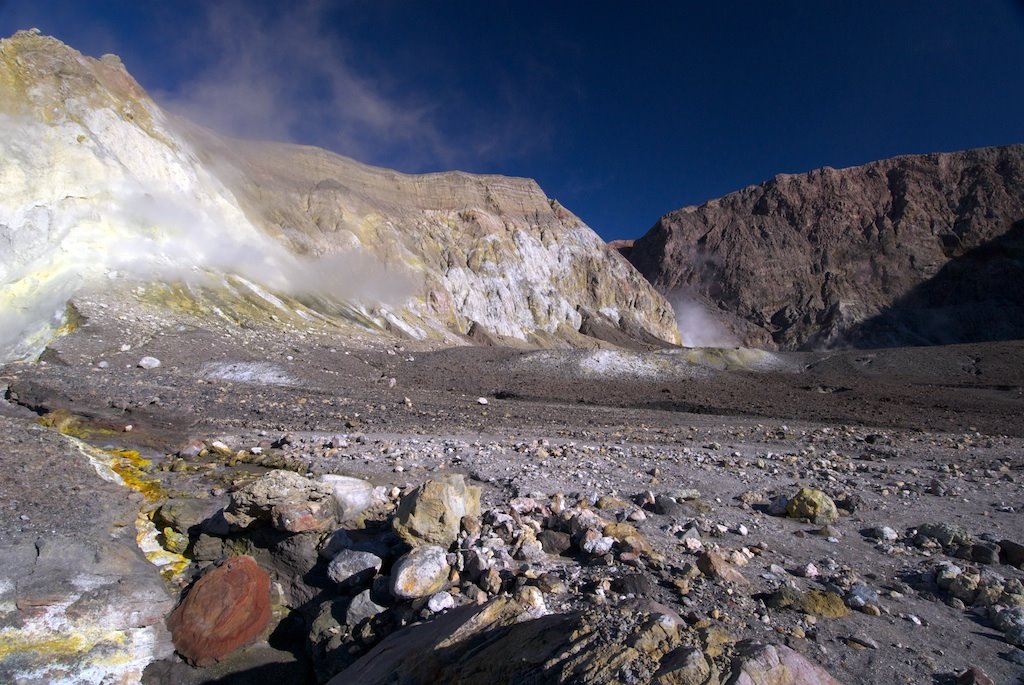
(102, 186)
(912, 250)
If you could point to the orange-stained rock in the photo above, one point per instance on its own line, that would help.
(225, 609)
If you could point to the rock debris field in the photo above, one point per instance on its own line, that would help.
(306, 513)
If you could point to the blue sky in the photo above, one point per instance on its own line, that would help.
(622, 111)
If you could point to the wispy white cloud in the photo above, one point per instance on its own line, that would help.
(279, 74)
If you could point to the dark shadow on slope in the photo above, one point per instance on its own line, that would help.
(976, 297)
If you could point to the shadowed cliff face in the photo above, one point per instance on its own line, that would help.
(101, 187)
(803, 259)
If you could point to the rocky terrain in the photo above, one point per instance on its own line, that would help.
(907, 251)
(215, 469)
(471, 514)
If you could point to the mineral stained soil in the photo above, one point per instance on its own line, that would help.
(907, 436)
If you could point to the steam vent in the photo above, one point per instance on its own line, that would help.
(270, 414)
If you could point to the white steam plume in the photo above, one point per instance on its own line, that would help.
(698, 326)
(85, 199)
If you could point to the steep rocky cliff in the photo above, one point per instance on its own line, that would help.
(913, 250)
(102, 188)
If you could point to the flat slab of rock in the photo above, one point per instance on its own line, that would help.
(77, 596)
(227, 608)
(512, 640)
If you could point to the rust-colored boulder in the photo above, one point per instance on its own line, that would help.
(225, 609)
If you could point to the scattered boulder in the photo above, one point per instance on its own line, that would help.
(148, 363)
(227, 608)
(813, 505)
(289, 501)
(420, 573)
(686, 666)
(554, 542)
(1012, 553)
(187, 514)
(973, 676)
(361, 608)
(946, 534)
(884, 533)
(353, 496)
(763, 664)
(813, 602)
(353, 567)
(442, 601)
(714, 565)
(432, 513)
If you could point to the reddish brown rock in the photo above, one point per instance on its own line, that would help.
(225, 609)
(714, 565)
(910, 250)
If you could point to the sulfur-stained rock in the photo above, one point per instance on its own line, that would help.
(686, 666)
(227, 608)
(762, 664)
(814, 505)
(419, 573)
(433, 512)
(814, 602)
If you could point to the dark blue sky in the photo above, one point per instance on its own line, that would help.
(622, 111)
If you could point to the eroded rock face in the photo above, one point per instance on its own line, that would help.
(911, 250)
(90, 161)
(228, 607)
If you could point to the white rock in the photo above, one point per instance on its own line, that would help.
(440, 602)
(808, 571)
(598, 546)
(148, 363)
(481, 400)
(353, 495)
(421, 572)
